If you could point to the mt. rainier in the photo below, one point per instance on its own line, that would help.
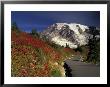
(72, 34)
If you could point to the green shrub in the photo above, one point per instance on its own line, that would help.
(79, 49)
(35, 33)
(67, 46)
(55, 73)
(41, 55)
(14, 27)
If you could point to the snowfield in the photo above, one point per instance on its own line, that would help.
(63, 42)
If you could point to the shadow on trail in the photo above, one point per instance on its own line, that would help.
(67, 70)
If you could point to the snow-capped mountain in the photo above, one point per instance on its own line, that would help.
(72, 34)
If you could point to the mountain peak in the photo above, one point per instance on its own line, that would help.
(73, 34)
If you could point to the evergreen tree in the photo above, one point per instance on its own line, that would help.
(67, 46)
(94, 47)
(14, 26)
(44, 38)
(35, 33)
(79, 48)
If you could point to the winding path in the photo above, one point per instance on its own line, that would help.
(82, 69)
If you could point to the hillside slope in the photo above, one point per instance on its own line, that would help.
(31, 56)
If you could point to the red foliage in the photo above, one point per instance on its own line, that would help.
(68, 50)
(56, 56)
(23, 44)
(23, 72)
(32, 65)
(46, 66)
(26, 39)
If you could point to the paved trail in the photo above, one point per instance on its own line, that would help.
(82, 69)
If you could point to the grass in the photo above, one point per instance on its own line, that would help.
(55, 73)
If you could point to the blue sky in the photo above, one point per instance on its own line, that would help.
(40, 20)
